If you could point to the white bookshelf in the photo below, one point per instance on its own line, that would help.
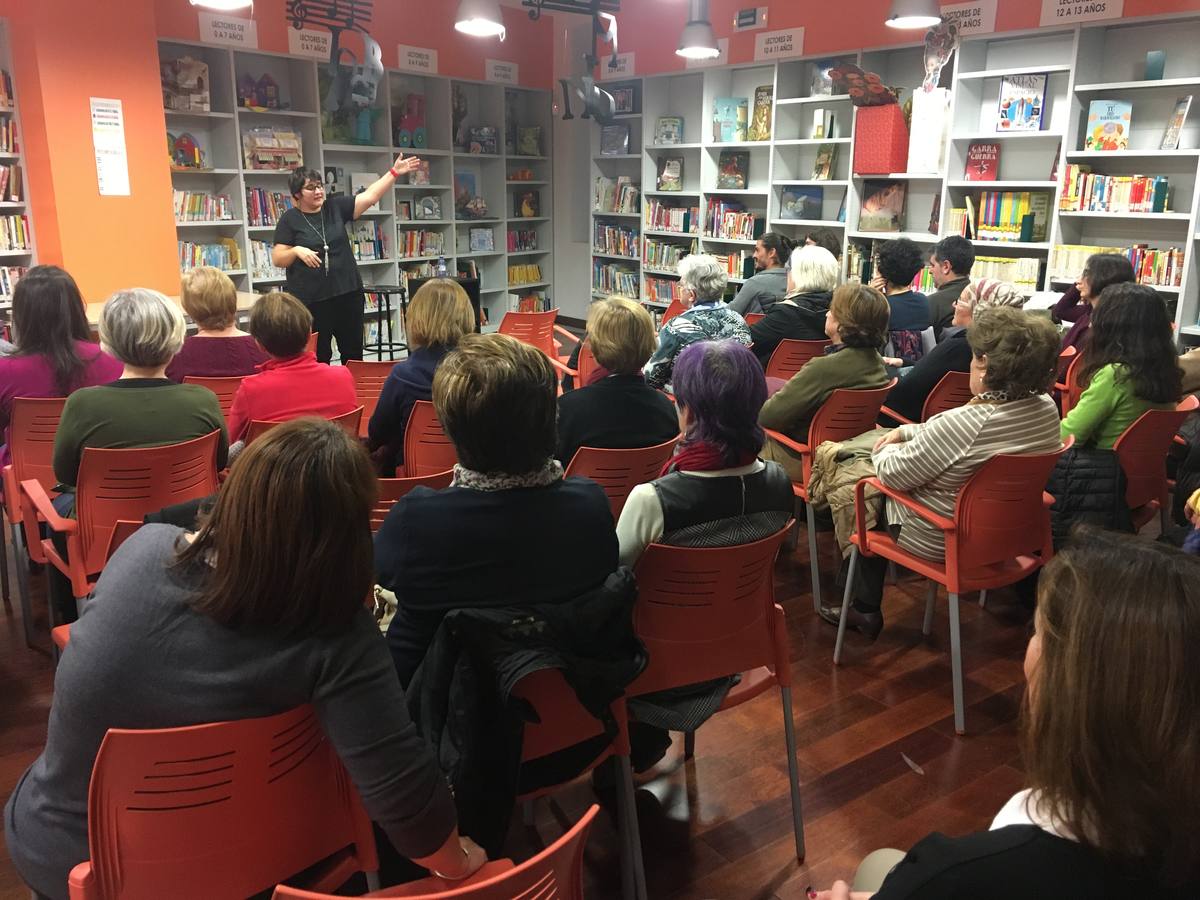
(27, 257)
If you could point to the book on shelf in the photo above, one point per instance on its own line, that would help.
(668, 131)
(1023, 271)
(662, 290)
(261, 267)
(1153, 266)
(983, 161)
(192, 206)
(529, 140)
(427, 207)
(265, 207)
(185, 85)
(14, 233)
(223, 253)
(882, 205)
(610, 278)
(1175, 123)
(360, 181)
(670, 173)
(272, 149)
(680, 219)
(730, 119)
(927, 136)
(760, 121)
(524, 273)
(367, 240)
(1022, 103)
(619, 240)
(482, 240)
(860, 265)
(467, 202)
(529, 301)
(336, 181)
(1083, 190)
(824, 125)
(466, 268)
(420, 175)
(1108, 125)
(824, 163)
(615, 196)
(527, 204)
(1156, 64)
(12, 185)
(802, 203)
(733, 170)
(521, 239)
(404, 211)
(419, 270)
(416, 242)
(729, 220)
(614, 140)
(1011, 216)
(666, 255)
(821, 83)
(483, 139)
(9, 276)
(736, 265)
(8, 136)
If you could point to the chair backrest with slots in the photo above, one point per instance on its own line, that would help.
(427, 449)
(951, 392)
(533, 328)
(619, 471)
(392, 489)
(1142, 449)
(349, 420)
(790, 356)
(369, 378)
(225, 389)
(31, 429)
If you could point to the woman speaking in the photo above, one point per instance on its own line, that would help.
(312, 245)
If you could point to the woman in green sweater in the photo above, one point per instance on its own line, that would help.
(1129, 366)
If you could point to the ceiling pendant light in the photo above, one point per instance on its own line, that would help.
(914, 14)
(698, 40)
(223, 5)
(480, 18)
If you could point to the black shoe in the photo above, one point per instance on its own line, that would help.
(869, 625)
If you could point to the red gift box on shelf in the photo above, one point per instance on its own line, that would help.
(880, 140)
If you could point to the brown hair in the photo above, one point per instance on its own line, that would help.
(290, 534)
(439, 314)
(621, 334)
(862, 314)
(209, 297)
(281, 324)
(1111, 728)
(1021, 350)
(496, 398)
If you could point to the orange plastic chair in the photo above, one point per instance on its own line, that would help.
(1142, 450)
(224, 388)
(349, 421)
(585, 366)
(708, 612)
(538, 329)
(427, 449)
(220, 810)
(790, 356)
(754, 318)
(952, 391)
(1069, 389)
(392, 489)
(554, 874)
(368, 385)
(674, 308)
(619, 471)
(843, 415)
(122, 530)
(32, 426)
(1000, 533)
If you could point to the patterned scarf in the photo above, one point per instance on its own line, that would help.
(550, 472)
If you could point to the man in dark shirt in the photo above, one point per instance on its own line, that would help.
(950, 263)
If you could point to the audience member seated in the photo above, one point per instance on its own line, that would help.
(857, 324)
(702, 281)
(769, 283)
(291, 383)
(510, 530)
(825, 237)
(897, 264)
(620, 411)
(218, 349)
(1075, 306)
(439, 314)
(259, 611)
(1011, 371)
(1109, 742)
(953, 353)
(800, 316)
(54, 354)
(950, 265)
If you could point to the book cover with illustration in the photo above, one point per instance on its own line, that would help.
(1175, 123)
(733, 170)
(760, 124)
(826, 158)
(527, 204)
(668, 130)
(983, 162)
(1022, 102)
(882, 206)
(1108, 125)
(670, 173)
(730, 119)
(614, 140)
(802, 203)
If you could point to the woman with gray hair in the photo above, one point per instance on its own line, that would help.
(702, 281)
(812, 275)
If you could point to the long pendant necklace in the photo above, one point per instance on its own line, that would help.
(320, 234)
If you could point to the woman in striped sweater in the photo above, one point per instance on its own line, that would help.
(1012, 367)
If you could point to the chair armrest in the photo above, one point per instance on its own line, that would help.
(888, 411)
(1047, 499)
(788, 442)
(935, 519)
(32, 488)
(563, 368)
(560, 330)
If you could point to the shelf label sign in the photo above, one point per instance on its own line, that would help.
(108, 140)
(218, 28)
(502, 71)
(1068, 12)
(417, 59)
(309, 42)
(624, 68)
(971, 18)
(720, 60)
(786, 44)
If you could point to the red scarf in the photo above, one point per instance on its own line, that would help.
(700, 456)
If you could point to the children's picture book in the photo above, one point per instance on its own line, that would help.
(670, 173)
(404, 210)
(730, 119)
(527, 204)
(760, 123)
(482, 240)
(983, 161)
(1022, 102)
(882, 206)
(529, 140)
(614, 140)
(1108, 125)
(484, 139)
(821, 84)
(733, 170)
(1175, 123)
(669, 130)
(428, 208)
(802, 203)
(420, 175)
(467, 202)
(826, 158)
(335, 180)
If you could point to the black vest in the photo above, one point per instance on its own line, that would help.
(724, 511)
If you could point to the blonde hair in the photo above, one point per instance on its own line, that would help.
(439, 314)
(209, 297)
(281, 324)
(141, 327)
(621, 334)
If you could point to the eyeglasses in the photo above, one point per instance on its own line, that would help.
(314, 188)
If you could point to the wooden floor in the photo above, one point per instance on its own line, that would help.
(880, 764)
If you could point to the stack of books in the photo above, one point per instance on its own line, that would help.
(265, 207)
(260, 262)
(223, 254)
(1154, 266)
(613, 279)
(522, 239)
(733, 263)
(683, 219)
(1083, 190)
(662, 290)
(14, 233)
(615, 239)
(666, 255)
(619, 196)
(729, 220)
(195, 206)
(529, 273)
(1022, 271)
(366, 240)
(419, 243)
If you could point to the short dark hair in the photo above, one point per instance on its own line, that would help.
(779, 244)
(281, 324)
(1130, 329)
(827, 238)
(302, 176)
(862, 314)
(1103, 269)
(48, 321)
(957, 251)
(497, 400)
(899, 261)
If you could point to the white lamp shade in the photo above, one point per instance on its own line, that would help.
(698, 41)
(914, 14)
(480, 18)
(223, 5)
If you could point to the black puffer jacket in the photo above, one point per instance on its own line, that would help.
(1088, 486)
(798, 317)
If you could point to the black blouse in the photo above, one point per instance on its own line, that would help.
(296, 229)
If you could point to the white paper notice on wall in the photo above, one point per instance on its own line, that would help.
(108, 140)
(721, 60)
(417, 59)
(309, 42)
(217, 28)
(623, 69)
(971, 18)
(502, 71)
(785, 44)
(1068, 12)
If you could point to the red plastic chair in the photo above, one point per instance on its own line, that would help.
(790, 356)
(123, 529)
(754, 318)
(220, 810)
(585, 367)
(843, 415)
(538, 329)
(427, 449)
(999, 534)
(392, 489)
(952, 391)
(1069, 389)
(554, 874)
(368, 385)
(619, 471)
(1142, 450)
(224, 388)
(674, 308)
(349, 421)
(708, 612)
